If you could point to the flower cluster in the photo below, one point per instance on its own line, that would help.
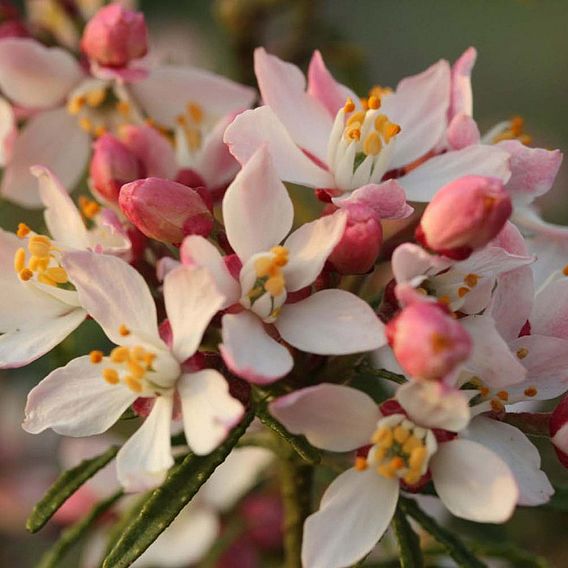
(419, 258)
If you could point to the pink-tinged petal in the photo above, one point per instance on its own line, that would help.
(420, 106)
(491, 360)
(75, 400)
(209, 411)
(331, 417)
(422, 183)
(433, 405)
(143, 462)
(192, 299)
(550, 312)
(473, 482)
(308, 249)
(254, 128)
(115, 295)
(35, 76)
(62, 218)
(387, 200)
(197, 251)
(355, 512)
(54, 140)
(323, 87)
(283, 88)
(8, 131)
(410, 261)
(257, 211)
(516, 450)
(167, 91)
(461, 99)
(331, 322)
(533, 170)
(250, 353)
(462, 132)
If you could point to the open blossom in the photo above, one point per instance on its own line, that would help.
(90, 393)
(258, 215)
(473, 475)
(39, 308)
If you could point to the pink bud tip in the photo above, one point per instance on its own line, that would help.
(427, 342)
(464, 215)
(115, 36)
(165, 210)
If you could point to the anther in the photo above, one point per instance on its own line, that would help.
(372, 145)
(374, 102)
(360, 463)
(119, 355)
(96, 357)
(356, 118)
(23, 230)
(111, 376)
(133, 384)
(195, 112)
(95, 98)
(349, 105)
(462, 291)
(123, 330)
(522, 352)
(471, 280)
(503, 395)
(19, 260)
(565, 270)
(25, 274)
(530, 392)
(39, 245)
(497, 405)
(57, 274)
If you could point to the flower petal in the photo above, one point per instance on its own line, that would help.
(35, 76)
(550, 311)
(462, 132)
(253, 128)
(410, 260)
(308, 249)
(250, 353)
(332, 417)
(209, 411)
(143, 461)
(461, 96)
(8, 131)
(422, 183)
(75, 400)
(192, 299)
(331, 322)
(257, 211)
(354, 513)
(54, 140)
(283, 88)
(473, 482)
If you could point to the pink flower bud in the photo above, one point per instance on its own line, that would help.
(115, 36)
(112, 165)
(359, 246)
(559, 431)
(464, 215)
(165, 210)
(427, 342)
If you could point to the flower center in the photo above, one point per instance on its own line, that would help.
(263, 283)
(514, 131)
(401, 449)
(41, 259)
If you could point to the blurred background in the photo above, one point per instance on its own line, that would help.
(522, 69)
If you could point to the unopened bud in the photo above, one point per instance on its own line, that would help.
(427, 342)
(559, 431)
(464, 215)
(165, 210)
(114, 36)
(112, 165)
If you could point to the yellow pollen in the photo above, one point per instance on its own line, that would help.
(522, 352)
(45, 279)
(39, 245)
(56, 274)
(133, 384)
(95, 98)
(275, 285)
(386, 471)
(380, 122)
(390, 130)
(462, 291)
(280, 255)
(440, 342)
(417, 457)
(444, 300)
(195, 112)
(497, 405)
(100, 131)
(531, 391)
(19, 260)
(565, 270)
(86, 124)
(352, 133)
(379, 91)
(349, 105)
(96, 357)
(360, 463)
(123, 108)
(356, 118)
(383, 437)
(119, 354)
(23, 230)
(136, 370)
(372, 145)
(75, 105)
(412, 477)
(89, 208)
(123, 330)
(503, 395)
(471, 280)
(401, 434)
(411, 443)
(37, 263)
(484, 391)
(374, 102)
(25, 274)
(110, 376)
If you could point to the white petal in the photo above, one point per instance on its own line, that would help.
(422, 183)
(143, 462)
(35, 76)
(209, 411)
(410, 260)
(355, 511)
(332, 417)
(54, 140)
(516, 450)
(250, 352)
(8, 131)
(331, 322)
(254, 128)
(191, 300)
(473, 482)
(308, 249)
(550, 311)
(114, 294)
(75, 400)
(257, 211)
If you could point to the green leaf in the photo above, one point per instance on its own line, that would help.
(71, 535)
(559, 501)
(65, 486)
(165, 503)
(517, 557)
(454, 546)
(408, 542)
(300, 445)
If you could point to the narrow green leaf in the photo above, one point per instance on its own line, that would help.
(455, 547)
(164, 503)
(408, 542)
(300, 445)
(75, 532)
(67, 483)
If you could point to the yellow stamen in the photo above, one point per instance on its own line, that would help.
(471, 280)
(89, 208)
(356, 118)
(56, 274)
(401, 434)
(39, 245)
(372, 145)
(503, 395)
(85, 124)
(360, 463)
(352, 133)
(275, 285)
(462, 291)
(195, 112)
(565, 270)
(374, 102)
(19, 260)
(95, 98)
(133, 384)
(136, 370)
(497, 406)
(531, 391)
(484, 391)
(45, 279)
(23, 230)
(349, 105)
(25, 274)
(390, 130)
(75, 105)
(417, 457)
(110, 376)
(96, 357)
(280, 255)
(119, 354)
(38, 263)
(383, 437)
(522, 352)
(123, 330)
(411, 443)
(123, 108)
